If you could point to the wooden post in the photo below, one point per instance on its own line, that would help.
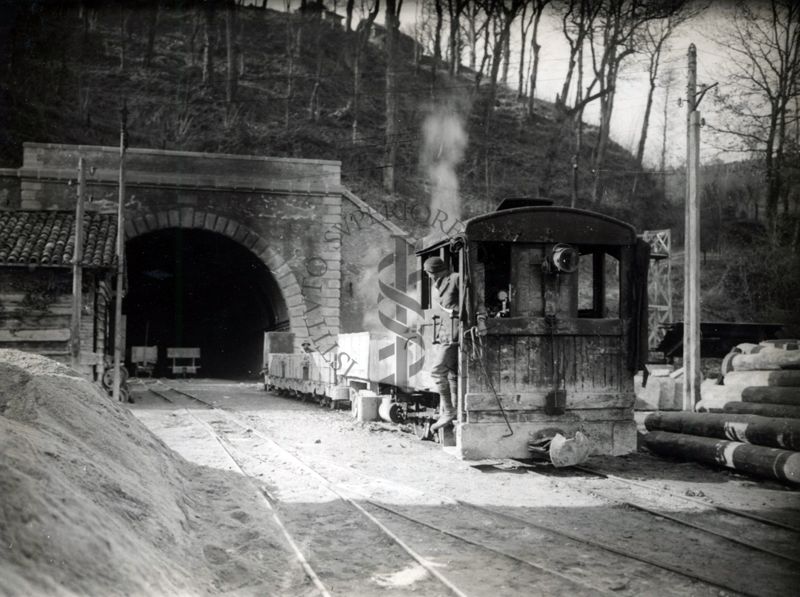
(120, 253)
(77, 271)
(463, 360)
(691, 264)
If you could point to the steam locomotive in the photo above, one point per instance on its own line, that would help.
(552, 326)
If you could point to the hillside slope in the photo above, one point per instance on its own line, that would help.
(65, 82)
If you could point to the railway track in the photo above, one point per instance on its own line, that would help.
(490, 533)
(498, 565)
(706, 504)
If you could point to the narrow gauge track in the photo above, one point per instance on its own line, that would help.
(541, 579)
(599, 545)
(789, 538)
(731, 511)
(646, 486)
(626, 553)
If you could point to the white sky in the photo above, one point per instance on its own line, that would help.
(629, 104)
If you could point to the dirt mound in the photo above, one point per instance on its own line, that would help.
(94, 504)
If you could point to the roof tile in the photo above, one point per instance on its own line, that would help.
(48, 238)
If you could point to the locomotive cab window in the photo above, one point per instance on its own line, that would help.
(598, 284)
(494, 265)
(546, 279)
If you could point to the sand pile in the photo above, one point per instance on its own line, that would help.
(92, 503)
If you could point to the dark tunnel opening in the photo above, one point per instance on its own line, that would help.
(199, 289)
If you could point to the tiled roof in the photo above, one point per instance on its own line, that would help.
(48, 238)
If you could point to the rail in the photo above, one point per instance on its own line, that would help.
(726, 584)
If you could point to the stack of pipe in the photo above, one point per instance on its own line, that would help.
(750, 422)
(753, 444)
(760, 379)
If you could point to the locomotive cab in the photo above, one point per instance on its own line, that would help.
(551, 328)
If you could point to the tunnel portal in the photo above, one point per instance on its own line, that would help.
(196, 288)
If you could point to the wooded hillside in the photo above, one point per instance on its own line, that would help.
(222, 77)
(247, 80)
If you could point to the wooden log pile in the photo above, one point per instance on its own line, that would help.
(750, 422)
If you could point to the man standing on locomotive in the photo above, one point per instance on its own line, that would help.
(445, 362)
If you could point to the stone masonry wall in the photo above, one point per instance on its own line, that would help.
(278, 208)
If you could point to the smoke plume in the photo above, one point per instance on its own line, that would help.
(445, 141)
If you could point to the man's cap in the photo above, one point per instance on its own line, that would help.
(435, 265)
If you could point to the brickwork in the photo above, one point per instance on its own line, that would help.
(364, 237)
(320, 243)
(277, 208)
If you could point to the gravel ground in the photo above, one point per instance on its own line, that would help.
(272, 496)
(388, 463)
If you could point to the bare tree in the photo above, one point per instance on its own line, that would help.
(538, 6)
(490, 33)
(667, 81)
(392, 110)
(209, 10)
(231, 80)
(578, 127)
(454, 10)
(437, 39)
(613, 38)
(293, 35)
(430, 35)
(502, 13)
(313, 102)
(765, 39)
(474, 31)
(152, 25)
(360, 43)
(577, 20)
(524, 26)
(195, 19)
(506, 59)
(348, 26)
(505, 11)
(427, 33)
(124, 34)
(654, 38)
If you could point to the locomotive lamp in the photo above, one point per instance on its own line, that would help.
(563, 259)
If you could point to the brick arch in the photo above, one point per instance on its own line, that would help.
(213, 222)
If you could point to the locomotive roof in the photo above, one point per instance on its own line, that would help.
(540, 224)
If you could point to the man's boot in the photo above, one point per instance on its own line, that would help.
(444, 419)
(447, 410)
(446, 414)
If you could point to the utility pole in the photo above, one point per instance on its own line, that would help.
(77, 271)
(120, 254)
(691, 260)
